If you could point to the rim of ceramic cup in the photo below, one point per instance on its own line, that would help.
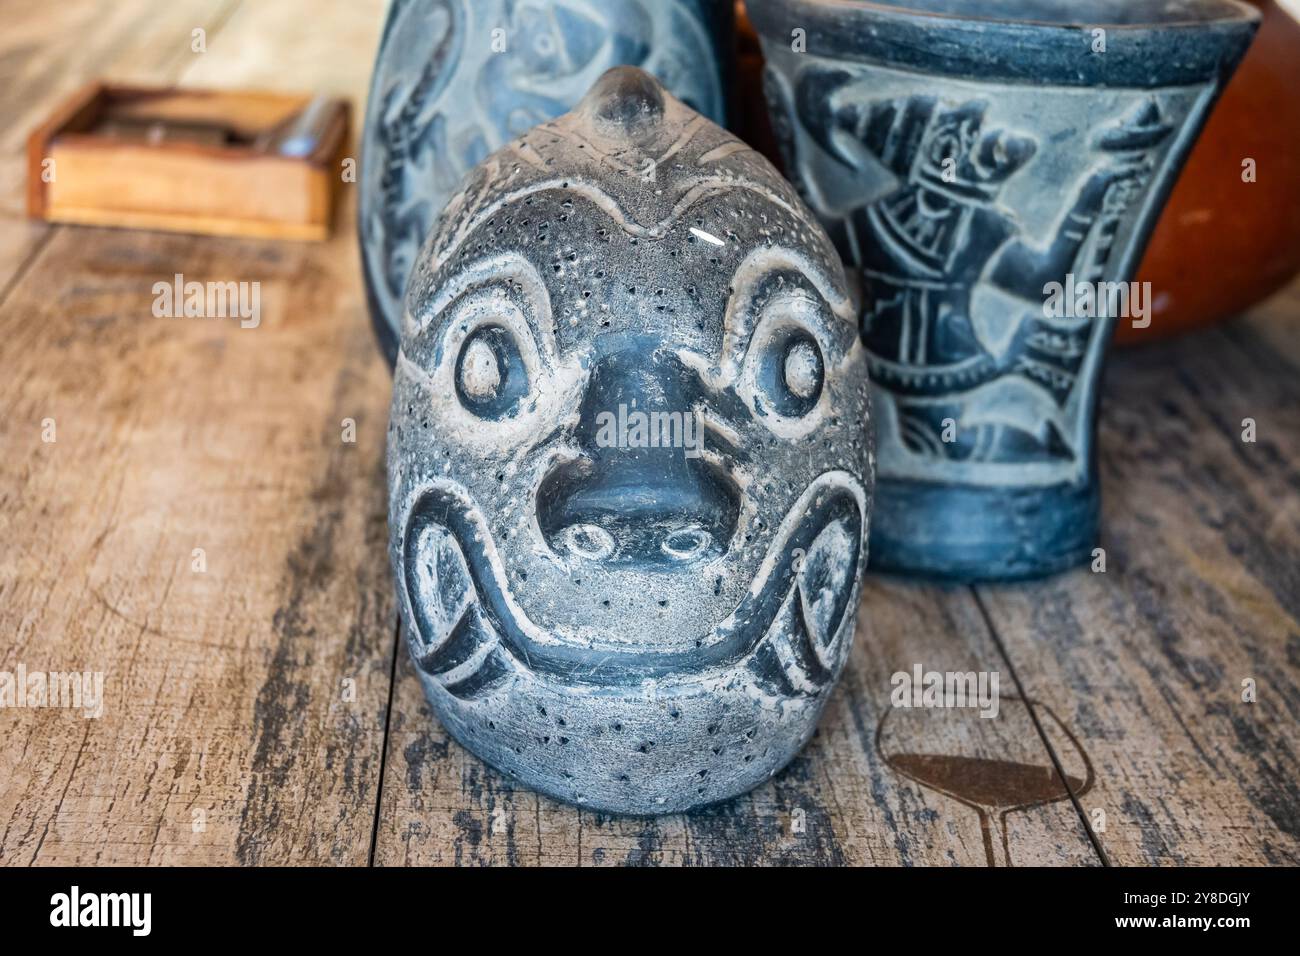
(1150, 43)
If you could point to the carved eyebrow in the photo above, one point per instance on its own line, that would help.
(504, 270)
(740, 319)
(690, 193)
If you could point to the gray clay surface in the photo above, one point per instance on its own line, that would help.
(632, 614)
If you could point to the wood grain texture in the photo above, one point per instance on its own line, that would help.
(1201, 592)
(321, 46)
(225, 691)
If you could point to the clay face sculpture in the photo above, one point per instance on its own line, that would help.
(985, 169)
(629, 479)
(456, 79)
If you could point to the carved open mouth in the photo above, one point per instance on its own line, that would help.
(787, 630)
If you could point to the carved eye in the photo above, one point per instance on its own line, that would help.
(793, 372)
(480, 372)
(490, 375)
(803, 370)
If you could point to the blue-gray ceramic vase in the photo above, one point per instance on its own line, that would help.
(455, 80)
(990, 172)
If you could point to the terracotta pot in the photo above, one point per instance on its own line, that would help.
(749, 110)
(1223, 244)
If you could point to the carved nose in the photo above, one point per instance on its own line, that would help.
(642, 491)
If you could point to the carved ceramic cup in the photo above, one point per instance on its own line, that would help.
(629, 485)
(456, 79)
(990, 171)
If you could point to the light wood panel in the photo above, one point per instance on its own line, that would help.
(245, 705)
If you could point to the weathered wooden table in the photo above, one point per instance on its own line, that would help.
(259, 708)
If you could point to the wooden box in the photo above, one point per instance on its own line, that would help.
(202, 161)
